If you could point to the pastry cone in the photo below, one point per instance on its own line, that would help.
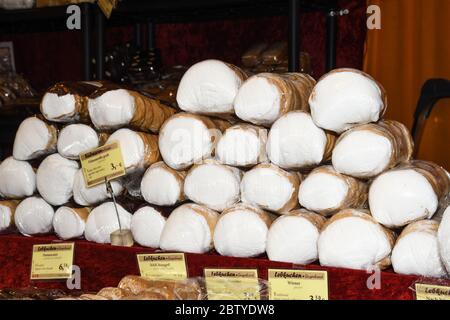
(242, 145)
(162, 185)
(344, 98)
(270, 188)
(275, 54)
(353, 239)
(17, 179)
(213, 185)
(293, 237)
(408, 193)
(253, 56)
(416, 250)
(112, 293)
(189, 228)
(111, 108)
(7, 210)
(265, 97)
(242, 231)
(187, 138)
(146, 226)
(295, 142)
(34, 138)
(67, 101)
(209, 87)
(369, 149)
(444, 239)
(69, 223)
(78, 138)
(34, 216)
(326, 191)
(139, 150)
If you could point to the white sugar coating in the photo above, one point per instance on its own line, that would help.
(160, 187)
(68, 224)
(362, 153)
(183, 141)
(32, 139)
(55, 177)
(398, 197)
(113, 109)
(258, 101)
(353, 243)
(209, 86)
(213, 185)
(85, 196)
(292, 239)
(266, 188)
(146, 226)
(187, 231)
(58, 108)
(322, 191)
(239, 147)
(34, 216)
(5, 217)
(240, 233)
(102, 221)
(75, 139)
(132, 146)
(344, 99)
(417, 253)
(444, 239)
(17, 179)
(295, 141)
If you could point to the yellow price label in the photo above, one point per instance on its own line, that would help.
(162, 266)
(102, 163)
(298, 284)
(52, 261)
(232, 284)
(432, 292)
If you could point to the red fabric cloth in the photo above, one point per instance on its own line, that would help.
(105, 265)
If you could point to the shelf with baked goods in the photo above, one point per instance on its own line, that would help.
(104, 265)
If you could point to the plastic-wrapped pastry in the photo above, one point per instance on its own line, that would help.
(275, 54)
(112, 293)
(146, 226)
(7, 211)
(444, 239)
(253, 56)
(34, 216)
(17, 179)
(78, 138)
(69, 223)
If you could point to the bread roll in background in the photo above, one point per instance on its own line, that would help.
(209, 87)
(416, 251)
(112, 108)
(7, 210)
(270, 188)
(67, 101)
(112, 293)
(344, 98)
(242, 231)
(146, 226)
(444, 239)
(369, 149)
(189, 228)
(78, 138)
(214, 185)
(69, 223)
(295, 142)
(353, 239)
(162, 185)
(293, 237)
(17, 179)
(408, 193)
(187, 138)
(34, 138)
(34, 216)
(264, 97)
(102, 221)
(327, 192)
(253, 56)
(139, 149)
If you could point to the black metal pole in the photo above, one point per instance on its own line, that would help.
(137, 35)
(100, 54)
(331, 40)
(86, 35)
(151, 43)
(294, 36)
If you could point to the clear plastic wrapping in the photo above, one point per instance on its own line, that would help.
(17, 179)
(34, 216)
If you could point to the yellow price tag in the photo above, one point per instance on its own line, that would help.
(298, 284)
(102, 163)
(432, 292)
(232, 284)
(52, 261)
(162, 266)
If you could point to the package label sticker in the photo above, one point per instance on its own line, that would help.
(52, 261)
(297, 284)
(432, 292)
(162, 266)
(105, 162)
(232, 284)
